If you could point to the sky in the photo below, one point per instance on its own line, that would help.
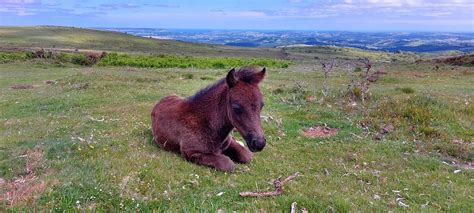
(318, 15)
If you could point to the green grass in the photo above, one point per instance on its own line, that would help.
(98, 154)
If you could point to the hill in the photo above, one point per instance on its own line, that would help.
(71, 38)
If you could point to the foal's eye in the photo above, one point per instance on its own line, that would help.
(237, 109)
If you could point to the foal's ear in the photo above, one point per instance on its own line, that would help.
(231, 79)
(260, 75)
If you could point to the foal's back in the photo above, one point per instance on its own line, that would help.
(167, 131)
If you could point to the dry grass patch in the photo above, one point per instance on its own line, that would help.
(320, 132)
(27, 187)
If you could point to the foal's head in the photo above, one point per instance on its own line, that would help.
(244, 104)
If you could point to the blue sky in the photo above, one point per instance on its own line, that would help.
(345, 15)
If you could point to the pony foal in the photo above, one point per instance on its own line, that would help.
(198, 127)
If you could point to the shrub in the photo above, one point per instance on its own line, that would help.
(8, 57)
(79, 59)
(172, 61)
(146, 61)
(356, 93)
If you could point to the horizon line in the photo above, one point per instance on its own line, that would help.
(237, 29)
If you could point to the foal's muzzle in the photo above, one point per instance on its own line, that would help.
(255, 144)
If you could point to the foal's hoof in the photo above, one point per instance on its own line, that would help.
(225, 167)
(245, 158)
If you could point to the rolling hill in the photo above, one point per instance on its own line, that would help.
(71, 38)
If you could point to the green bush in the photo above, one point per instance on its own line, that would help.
(79, 59)
(172, 61)
(8, 57)
(148, 61)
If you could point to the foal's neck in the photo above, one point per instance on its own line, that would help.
(211, 104)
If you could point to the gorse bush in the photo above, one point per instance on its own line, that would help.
(79, 59)
(8, 57)
(145, 61)
(173, 61)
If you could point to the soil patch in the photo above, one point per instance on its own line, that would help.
(22, 86)
(28, 186)
(320, 132)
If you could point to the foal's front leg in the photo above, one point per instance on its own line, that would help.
(237, 152)
(217, 161)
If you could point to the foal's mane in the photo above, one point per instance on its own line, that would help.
(201, 93)
(245, 74)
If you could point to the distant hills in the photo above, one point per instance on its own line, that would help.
(383, 41)
(82, 39)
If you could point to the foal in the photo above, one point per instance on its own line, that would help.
(198, 127)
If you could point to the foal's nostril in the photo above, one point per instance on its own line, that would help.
(253, 142)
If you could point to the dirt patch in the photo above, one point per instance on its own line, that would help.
(22, 86)
(384, 131)
(50, 82)
(80, 86)
(320, 132)
(457, 163)
(27, 187)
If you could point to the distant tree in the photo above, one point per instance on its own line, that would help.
(327, 67)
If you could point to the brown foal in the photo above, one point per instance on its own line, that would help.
(198, 127)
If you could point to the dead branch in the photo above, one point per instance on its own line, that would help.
(293, 207)
(327, 68)
(278, 184)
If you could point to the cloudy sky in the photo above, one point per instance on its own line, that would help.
(346, 15)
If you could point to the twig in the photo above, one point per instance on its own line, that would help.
(293, 207)
(358, 136)
(278, 184)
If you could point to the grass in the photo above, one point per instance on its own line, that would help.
(97, 143)
(83, 142)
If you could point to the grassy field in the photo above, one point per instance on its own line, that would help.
(79, 138)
